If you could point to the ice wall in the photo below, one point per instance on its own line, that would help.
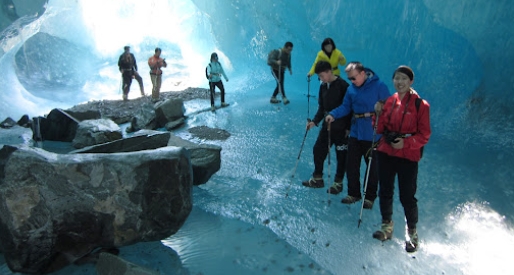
(461, 52)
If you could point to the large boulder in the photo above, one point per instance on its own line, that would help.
(58, 125)
(169, 110)
(205, 158)
(141, 140)
(57, 208)
(98, 131)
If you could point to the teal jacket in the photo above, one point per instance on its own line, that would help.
(215, 71)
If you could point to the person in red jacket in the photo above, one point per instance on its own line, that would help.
(404, 121)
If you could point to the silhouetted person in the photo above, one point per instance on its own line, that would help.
(128, 68)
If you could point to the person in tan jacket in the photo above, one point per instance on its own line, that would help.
(156, 63)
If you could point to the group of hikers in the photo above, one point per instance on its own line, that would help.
(128, 67)
(363, 120)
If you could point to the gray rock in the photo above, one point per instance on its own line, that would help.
(58, 126)
(91, 132)
(7, 123)
(169, 110)
(142, 140)
(57, 208)
(143, 118)
(172, 125)
(205, 158)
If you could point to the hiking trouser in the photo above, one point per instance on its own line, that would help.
(212, 87)
(320, 151)
(357, 149)
(156, 82)
(127, 80)
(279, 77)
(407, 172)
(140, 81)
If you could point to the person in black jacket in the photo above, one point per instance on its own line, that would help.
(331, 95)
(128, 68)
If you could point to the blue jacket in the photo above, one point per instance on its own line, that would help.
(215, 71)
(360, 100)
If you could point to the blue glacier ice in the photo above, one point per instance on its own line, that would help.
(242, 223)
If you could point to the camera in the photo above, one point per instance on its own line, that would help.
(390, 137)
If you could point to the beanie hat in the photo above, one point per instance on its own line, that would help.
(405, 70)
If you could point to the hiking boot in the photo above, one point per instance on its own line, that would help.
(274, 100)
(285, 100)
(336, 188)
(350, 199)
(412, 243)
(368, 204)
(314, 182)
(125, 97)
(385, 232)
(223, 104)
(213, 108)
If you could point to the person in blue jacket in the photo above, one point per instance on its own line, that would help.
(214, 72)
(366, 90)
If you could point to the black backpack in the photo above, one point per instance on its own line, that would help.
(206, 73)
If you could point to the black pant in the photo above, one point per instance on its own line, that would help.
(127, 80)
(127, 76)
(279, 77)
(356, 150)
(407, 172)
(320, 151)
(212, 86)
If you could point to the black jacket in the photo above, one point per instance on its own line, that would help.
(130, 65)
(330, 96)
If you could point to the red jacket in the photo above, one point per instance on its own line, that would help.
(156, 63)
(415, 122)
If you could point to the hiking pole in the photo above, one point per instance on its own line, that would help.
(328, 155)
(370, 158)
(298, 159)
(308, 95)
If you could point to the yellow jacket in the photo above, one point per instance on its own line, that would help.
(333, 60)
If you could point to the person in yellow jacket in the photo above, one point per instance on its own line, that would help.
(331, 54)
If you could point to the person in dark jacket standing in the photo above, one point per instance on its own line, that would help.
(366, 90)
(128, 67)
(331, 95)
(279, 60)
(404, 122)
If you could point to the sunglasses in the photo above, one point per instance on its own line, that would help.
(352, 78)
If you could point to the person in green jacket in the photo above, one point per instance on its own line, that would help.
(331, 54)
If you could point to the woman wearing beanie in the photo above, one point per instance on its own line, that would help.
(404, 121)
